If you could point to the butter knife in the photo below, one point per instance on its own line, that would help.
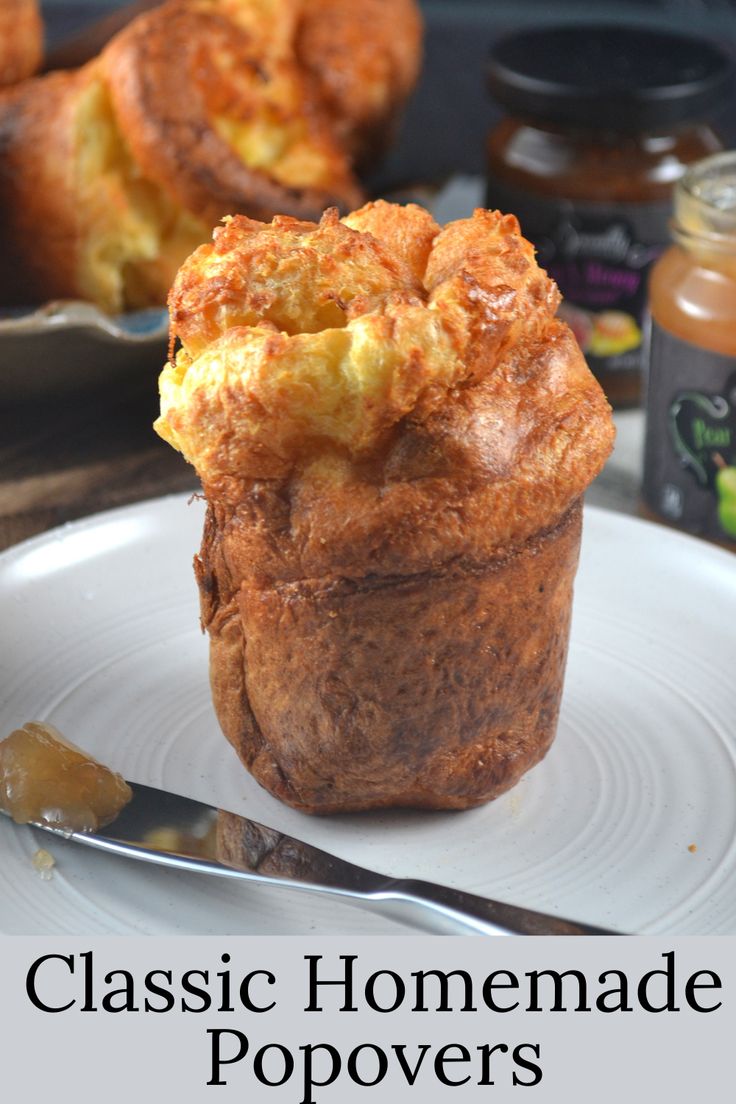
(173, 831)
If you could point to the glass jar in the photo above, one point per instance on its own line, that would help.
(603, 122)
(690, 450)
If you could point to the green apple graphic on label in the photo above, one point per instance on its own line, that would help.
(726, 490)
(703, 432)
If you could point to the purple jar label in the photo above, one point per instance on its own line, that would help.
(599, 254)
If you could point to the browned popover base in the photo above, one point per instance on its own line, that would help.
(438, 690)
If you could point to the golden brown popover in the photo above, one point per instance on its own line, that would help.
(363, 55)
(78, 218)
(393, 433)
(21, 40)
(366, 58)
(229, 126)
(110, 176)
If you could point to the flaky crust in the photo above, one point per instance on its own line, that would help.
(387, 565)
(447, 380)
(21, 40)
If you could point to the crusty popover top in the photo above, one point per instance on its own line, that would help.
(391, 391)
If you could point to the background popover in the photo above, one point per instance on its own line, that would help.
(111, 175)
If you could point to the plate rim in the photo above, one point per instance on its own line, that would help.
(75, 315)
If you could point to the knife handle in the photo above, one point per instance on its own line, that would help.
(442, 909)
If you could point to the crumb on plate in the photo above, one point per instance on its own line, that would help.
(44, 863)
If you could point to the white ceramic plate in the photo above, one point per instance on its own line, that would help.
(99, 634)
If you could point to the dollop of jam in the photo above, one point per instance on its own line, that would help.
(46, 780)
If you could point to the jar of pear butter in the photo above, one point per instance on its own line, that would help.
(690, 450)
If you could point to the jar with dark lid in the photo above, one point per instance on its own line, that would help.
(603, 121)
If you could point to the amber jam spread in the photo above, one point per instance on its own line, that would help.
(46, 780)
(690, 454)
(602, 122)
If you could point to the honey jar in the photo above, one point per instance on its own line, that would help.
(690, 450)
(602, 122)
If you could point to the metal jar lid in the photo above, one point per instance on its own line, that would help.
(610, 77)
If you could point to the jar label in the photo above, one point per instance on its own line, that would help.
(690, 451)
(599, 254)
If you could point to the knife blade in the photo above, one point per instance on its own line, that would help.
(174, 831)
